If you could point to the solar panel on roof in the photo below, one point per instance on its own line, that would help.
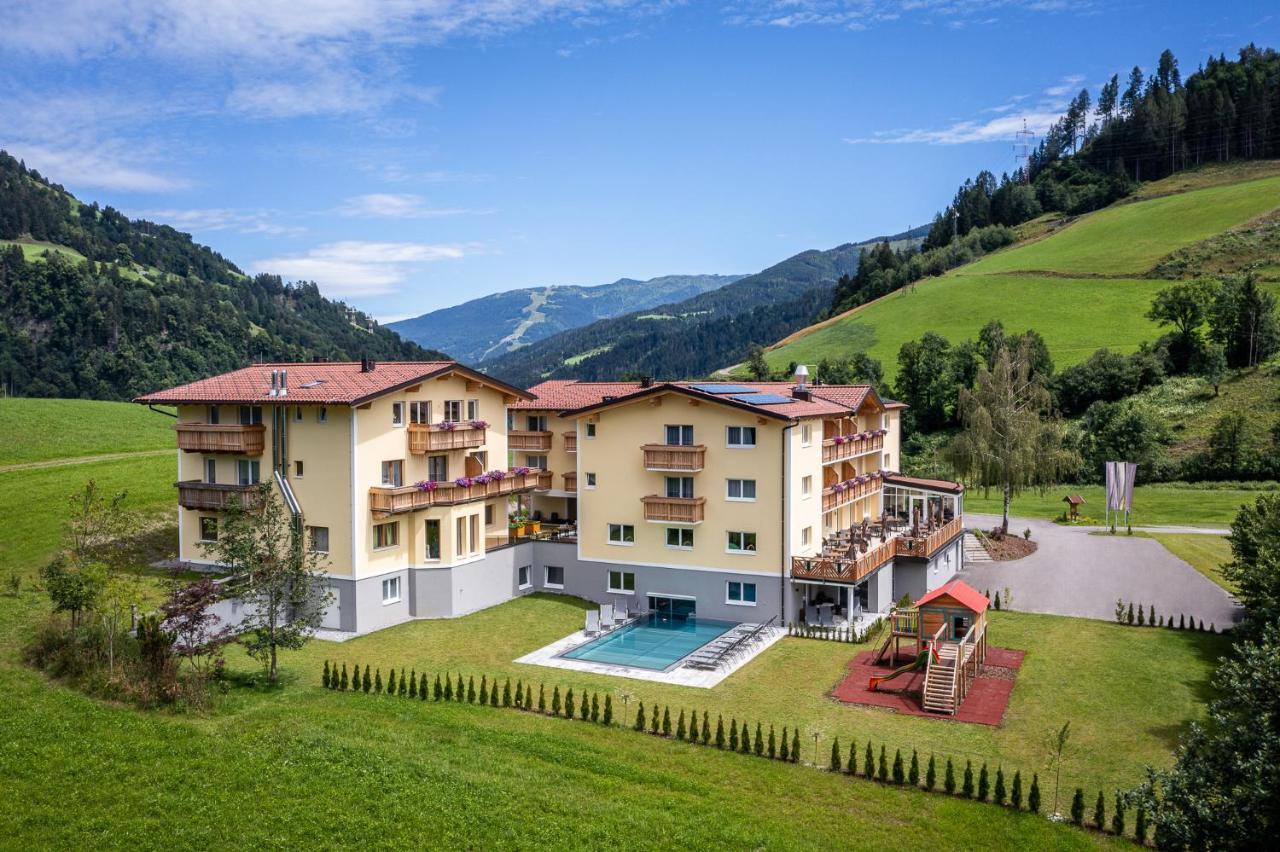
(762, 398)
(723, 388)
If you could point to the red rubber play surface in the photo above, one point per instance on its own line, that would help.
(984, 705)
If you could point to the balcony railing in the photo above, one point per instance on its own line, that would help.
(674, 457)
(436, 437)
(853, 569)
(845, 493)
(194, 494)
(570, 442)
(846, 447)
(674, 510)
(528, 441)
(570, 482)
(384, 501)
(241, 439)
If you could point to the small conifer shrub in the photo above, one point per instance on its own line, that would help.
(1033, 798)
(967, 789)
(883, 773)
(607, 717)
(744, 743)
(851, 765)
(759, 743)
(784, 752)
(949, 779)
(719, 732)
(706, 727)
(342, 683)
(899, 771)
(656, 722)
(640, 717)
(680, 728)
(471, 689)
(528, 695)
(795, 746)
(568, 703)
(1002, 795)
(1117, 817)
(555, 701)
(1015, 795)
(413, 683)
(733, 735)
(377, 680)
(1077, 807)
(1100, 813)
(542, 698)
(931, 774)
(402, 690)
(594, 713)
(835, 755)
(506, 693)
(913, 774)
(493, 694)
(484, 689)
(446, 693)
(869, 762)
(1140, 826)
(460, 691)
(518, 698)
(324, 678)
(984, 784)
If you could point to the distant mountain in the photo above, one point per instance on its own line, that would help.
(96, 305)
(491, 326)
(694, 336)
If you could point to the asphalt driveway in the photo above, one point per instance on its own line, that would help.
(1075, 573)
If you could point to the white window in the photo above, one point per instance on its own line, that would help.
(208, 529)
(453, 410)
(622, 534)
(211, 470)
(554, 577)
(884, 420)
(318, 538)
(297, 469)
(473, 409)
(742, 542)
(740, 594)
(393, 473)
(386, 535)
(523, 576)
(622, 582)
(475, 534)
(322, 415)
(885, 465)
(420, 412)
(397, 414)
(591, 480)
(806, 486)
(391, 590)
(680, 538)
(247, 471)
(741, 436)
(591, 430)
(806, 536)
(680, 435)
(806, 434)
(743, 490)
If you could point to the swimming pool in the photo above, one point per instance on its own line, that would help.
(655, 642)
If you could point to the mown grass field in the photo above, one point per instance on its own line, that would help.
(300, 766)
(34, 430)
(1082, 286)
(1205, 553)
(1154, 505)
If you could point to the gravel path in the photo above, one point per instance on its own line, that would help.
(1075, 573)
(6, 468)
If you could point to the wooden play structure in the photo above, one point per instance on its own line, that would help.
(947, 632)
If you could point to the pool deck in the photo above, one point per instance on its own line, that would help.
(549, 656)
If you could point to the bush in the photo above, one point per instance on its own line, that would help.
(719, 732)
(913, 775)
(595, 708)
(773, 745)
(324, 678)
(493, 693)
(471, 690)
(1033, 798)
(441, 693)
(835, 755)
(931, 774)
(654, 721)
(899, 773)
(744, 744)
(706, 727)
(967, 789)
(949, 779)
(459, 692)
(528, 695)
(484, 689)
(1001, 794)
(1027, 533)
(733, 735)
(785, 753)
(342, 681)
(391, 682)
(555, 701)
(413, 683)
(639, 726)
(506, 693)
(795, 746)
(1015, 797)
(367, 682)
(1128, 616)
(377, 680)
(1140, 826)
(759, 743)
(666, 721)
(1100, 813)
(1117, 817)
(984, 784)
(607, 717)
(568, 704)
(542, 699)
(1077, 807)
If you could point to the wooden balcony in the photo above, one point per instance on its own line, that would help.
(931, 543)
(570, 482)
(194, 494)
(241, 439)
(527, 441)
(436, 438)
(674, 510)
(570, 442)
(384, 501)
(845, 493)
(674, 457)
(845, 447)
(853, 570)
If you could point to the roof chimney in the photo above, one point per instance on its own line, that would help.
(801, 390)
(366, 366)
(646, 381)
(284, 383)
(274, 384)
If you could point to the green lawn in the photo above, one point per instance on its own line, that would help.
(1205, 553)
(1076, 317)
(1127, 239)
(41, 429)
(1155, 505)
(35, 249)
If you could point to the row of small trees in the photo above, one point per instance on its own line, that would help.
(1125, 614)
(741, 737)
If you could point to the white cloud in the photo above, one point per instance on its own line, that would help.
(359, 268)
(221, 219)
(107, 165)
(398, 205)
(861, 14)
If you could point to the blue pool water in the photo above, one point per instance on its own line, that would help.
(655, 642)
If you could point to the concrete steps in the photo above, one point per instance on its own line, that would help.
(974, 552)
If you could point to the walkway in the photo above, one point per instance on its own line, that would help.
(63, 462)
(1075, 573)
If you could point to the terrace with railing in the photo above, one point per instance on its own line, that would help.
(441, 437)
(674, 457)
(853, 554)
(844, 447)
(843, 493)
(214, 496)
(244, 439)
(675, 510)
(570, 442)
(529, 441)
(392, 500)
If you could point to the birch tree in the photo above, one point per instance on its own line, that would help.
(1009, 439)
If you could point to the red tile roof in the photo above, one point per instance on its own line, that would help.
(962, 592)
(825, 400)
(316, 383)
(566, 394)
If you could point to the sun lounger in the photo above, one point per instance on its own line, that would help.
(606, 616)
(593, 622)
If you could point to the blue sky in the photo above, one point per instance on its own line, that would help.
(411, 154)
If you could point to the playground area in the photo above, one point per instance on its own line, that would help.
(935, 660)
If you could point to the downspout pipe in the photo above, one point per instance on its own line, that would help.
(786, 522)
(152, 407)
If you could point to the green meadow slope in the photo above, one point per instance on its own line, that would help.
(1085, 285)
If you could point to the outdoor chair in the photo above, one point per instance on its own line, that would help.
(811, 614)
(593, 622)
(606, 616)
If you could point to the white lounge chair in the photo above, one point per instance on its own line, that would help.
(593, 622)
(606, 616)
(620, 613)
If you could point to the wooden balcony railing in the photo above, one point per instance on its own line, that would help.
(570, 442)
(570, 482)
(528, 441)
(853, 569)
(435, 437)
(241, 439)
(675, 510)
(384, 501)
(676, 457)
(844, 493)
(850, 446)
(194, 494)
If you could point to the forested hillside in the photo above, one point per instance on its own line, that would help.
(97, 305)
(493, 325)
(692, 337)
